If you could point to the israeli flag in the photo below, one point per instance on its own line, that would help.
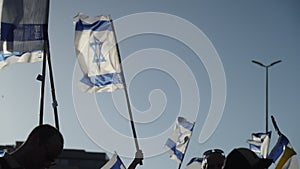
(24, 30)
(259, 143)
(97, 54)
(2, 153)
(178, 141)
(283, 155)
(114, 163)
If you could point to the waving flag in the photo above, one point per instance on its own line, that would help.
(24, 29)
(195, 163)
(177, 143)
(114, 163)
(259, 143)
(97, 54)
(283, 155)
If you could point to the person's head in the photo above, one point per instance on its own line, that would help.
(245, 158)
(42, 147)
(213, 159)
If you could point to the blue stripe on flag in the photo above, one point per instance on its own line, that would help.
(117, 164)
(184, 123)
(101, 25)
(102, 80)
(23, 32)
(254, 147)
(172, 145)
(278, 148)
(195, 159)
(4, 56)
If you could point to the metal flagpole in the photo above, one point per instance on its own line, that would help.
(46, 56)
(42, 77)
(54, 101)
(126, 93)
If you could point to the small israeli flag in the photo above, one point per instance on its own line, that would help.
(178, 141)
(114, 163)
(97, 54)
(259, 143)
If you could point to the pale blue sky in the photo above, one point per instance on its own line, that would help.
(240, 31)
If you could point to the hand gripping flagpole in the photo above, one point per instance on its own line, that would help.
(126, 92)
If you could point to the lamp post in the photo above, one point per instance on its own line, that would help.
(267, 81)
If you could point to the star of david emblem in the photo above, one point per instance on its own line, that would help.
(96, 46)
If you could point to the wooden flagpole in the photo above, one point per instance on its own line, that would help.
(126, 93)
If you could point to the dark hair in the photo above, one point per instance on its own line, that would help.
(45, 132)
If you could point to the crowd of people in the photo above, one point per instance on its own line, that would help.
(45, 143)
(238, 158)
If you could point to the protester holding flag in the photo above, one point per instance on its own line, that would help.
(139, 157)
(99, 59)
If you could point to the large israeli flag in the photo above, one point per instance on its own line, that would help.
(178, 141)
(24, 29)
(114, 163)
(97, 54)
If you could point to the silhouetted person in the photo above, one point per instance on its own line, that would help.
(213, 159)
(39, 151)
(137, 160)
(243, 158)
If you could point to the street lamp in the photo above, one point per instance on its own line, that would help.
(267, 81)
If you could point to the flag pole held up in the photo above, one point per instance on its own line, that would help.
(126, 93)
(46, 58)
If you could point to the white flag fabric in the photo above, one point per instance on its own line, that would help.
(24, 30)
(283, 154)
(195, 163)
(114, 163)
(259, 143)
(97, 54)
(178, 141)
